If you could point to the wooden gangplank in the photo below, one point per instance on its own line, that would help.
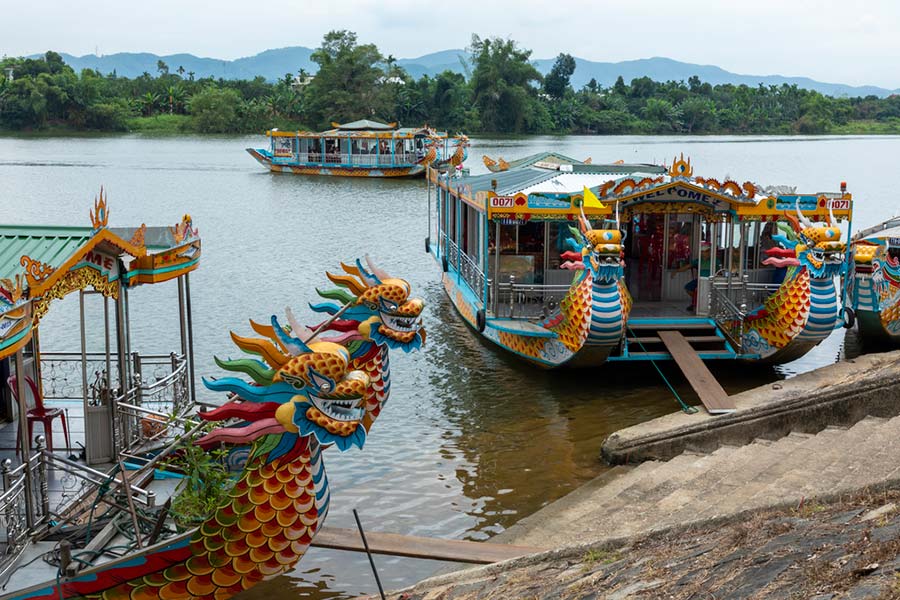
(704, 383)
(479, 553)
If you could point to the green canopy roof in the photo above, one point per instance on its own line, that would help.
(47, 244)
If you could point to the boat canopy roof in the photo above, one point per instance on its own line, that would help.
(39, 263)
(364, 128)
(552, 190)
(887, 229)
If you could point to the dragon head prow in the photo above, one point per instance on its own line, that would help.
(303, 388)
(816, 246)
(601, 251)
(379, 304)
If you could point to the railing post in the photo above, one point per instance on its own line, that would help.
(138, 378)
(42, 478)
(5, 468)
(512, 295)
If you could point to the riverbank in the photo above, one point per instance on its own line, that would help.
(846, 548)
(187, 124)
(745, 488)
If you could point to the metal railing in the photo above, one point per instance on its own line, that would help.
(362, 160)
(466, 266)
(731, 300)
(527, 300)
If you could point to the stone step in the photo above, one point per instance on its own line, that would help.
(819, 467)
(680, 503)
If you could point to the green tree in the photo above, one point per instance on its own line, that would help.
(557, 80)
(215, 110)
(502, 89)
(348, 85)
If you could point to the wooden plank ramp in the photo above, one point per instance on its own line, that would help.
(394, 544)
(714, 398)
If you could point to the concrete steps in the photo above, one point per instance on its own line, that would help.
(694, 487)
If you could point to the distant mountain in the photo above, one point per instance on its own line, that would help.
(273, 64)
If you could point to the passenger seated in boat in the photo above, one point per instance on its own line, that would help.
(698, 269)
(766, 242)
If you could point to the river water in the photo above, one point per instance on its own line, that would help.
(471, 440)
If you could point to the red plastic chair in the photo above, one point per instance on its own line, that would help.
(38, 413)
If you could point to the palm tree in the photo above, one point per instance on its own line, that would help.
(149, 101)
(175, 96)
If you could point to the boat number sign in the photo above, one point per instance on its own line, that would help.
(839, 204)
(503, 201)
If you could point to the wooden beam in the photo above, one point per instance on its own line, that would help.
(394, 544)
(714, 398)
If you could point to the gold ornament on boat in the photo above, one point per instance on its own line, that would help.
(73, 281)
(100, 214)
(183, 231)
(681, 167)
(137, 239)
(35, 270)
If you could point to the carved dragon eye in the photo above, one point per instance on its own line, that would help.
(388, 306)
(321, 382)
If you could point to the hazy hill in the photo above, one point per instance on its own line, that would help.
(273, 64)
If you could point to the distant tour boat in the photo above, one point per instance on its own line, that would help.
(362, 149)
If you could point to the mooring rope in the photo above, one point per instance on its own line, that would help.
(684, 406)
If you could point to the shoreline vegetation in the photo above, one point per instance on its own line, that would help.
(501, 93)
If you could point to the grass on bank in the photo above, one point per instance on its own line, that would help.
(161, 123)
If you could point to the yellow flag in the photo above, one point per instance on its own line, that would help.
(591, 200)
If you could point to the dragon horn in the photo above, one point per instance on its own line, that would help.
(295, 346)
(831, 219)
(584, 221)
(379, 273)
(617, 216)
(302, 332)
(801, 217)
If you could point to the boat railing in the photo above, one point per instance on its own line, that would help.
(749, 294)
(162, 379)
(529, 301)
(728, 315)
(22, 510)
(358, 160)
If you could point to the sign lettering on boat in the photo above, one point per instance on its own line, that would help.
(503, 201)
(839, 204)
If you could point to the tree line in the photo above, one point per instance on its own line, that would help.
(500, 92)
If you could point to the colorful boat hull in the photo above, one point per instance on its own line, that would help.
(265, 159)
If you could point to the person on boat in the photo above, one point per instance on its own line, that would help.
(767, 242)
(699, 268)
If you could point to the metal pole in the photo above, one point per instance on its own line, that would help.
(362, 534)
(665, 257)
(108, 343)
(84, 376)
(496, 292)
(190, 332)
(428, 188)
(24, 438)
(181, 324)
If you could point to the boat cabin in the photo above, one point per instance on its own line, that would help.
(362, 143)
(98, 402)
(692, 247)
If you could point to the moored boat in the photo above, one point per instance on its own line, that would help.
(874, 283)
(362, 148)
(563, 262)
(120, 536)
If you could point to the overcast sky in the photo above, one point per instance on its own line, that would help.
(828, 40)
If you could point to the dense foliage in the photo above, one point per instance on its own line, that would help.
(502, 92)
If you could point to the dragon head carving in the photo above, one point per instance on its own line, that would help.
(376, 307)
(298, 389)
(816, 246)
(599, 250)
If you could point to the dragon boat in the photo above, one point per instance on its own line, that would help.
(566, 263)
(362, 149)
(874, 284)
(307, 389)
